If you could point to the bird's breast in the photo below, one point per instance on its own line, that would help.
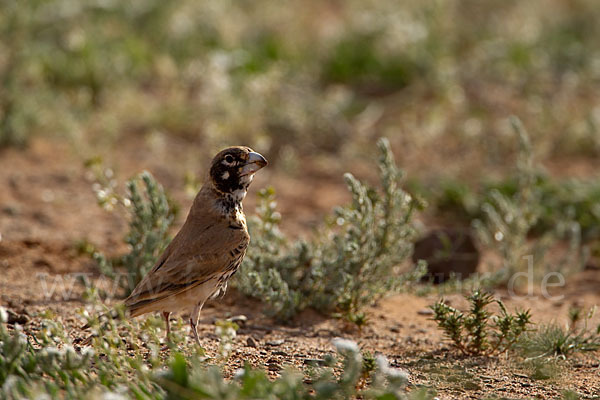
(236, 218)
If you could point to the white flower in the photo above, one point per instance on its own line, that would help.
(391, 373)
(382, 363)
(239, 373)
(9, 383)
(51, 351)
(3, 315)
(23, 338)
(345, 345)
(113, 396)
(89, 352)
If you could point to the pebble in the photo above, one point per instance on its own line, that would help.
(274, 343)
(280, 353)
(274, 367)
(425, 311)
(314, 361)
(238, 319)
(10, 210)
(14, 318)
(250, 342)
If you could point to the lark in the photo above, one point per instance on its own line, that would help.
(208, 249)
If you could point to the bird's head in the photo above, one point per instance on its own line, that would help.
(233, 169)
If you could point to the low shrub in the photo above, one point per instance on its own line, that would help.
(509, 219)
(349, 265)
(554, 340)
(478, 331)
(150, 216)
(47, 364)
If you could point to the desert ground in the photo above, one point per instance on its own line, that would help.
(48, 207)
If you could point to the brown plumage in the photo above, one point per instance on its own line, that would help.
(209, 247)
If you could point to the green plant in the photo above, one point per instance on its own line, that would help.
(150, 217)
(358, 319)
(543, 368)
(46, 363)
(349, 265)
(570, 395)
(509, 219)
(478, 331)
(355, 60)
(560, 201)
(554, 340)
(226, 331)
(184, 382)
(18, 114)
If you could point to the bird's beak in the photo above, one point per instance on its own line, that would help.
(255, 162)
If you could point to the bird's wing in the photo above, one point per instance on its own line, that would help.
(202, 250)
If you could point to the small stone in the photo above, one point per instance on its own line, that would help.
(14, 318)
(274, 367)
(274, 343)
(10, 210)
(314, 361)
(449, 252)
(425, 311)
(250, 342)
(280, 353)
(238, 319)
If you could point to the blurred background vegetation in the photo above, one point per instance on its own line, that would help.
(309, 74)
(313, 79)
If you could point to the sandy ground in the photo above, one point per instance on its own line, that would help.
(47, 207)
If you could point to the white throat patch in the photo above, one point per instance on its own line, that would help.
(245, 181)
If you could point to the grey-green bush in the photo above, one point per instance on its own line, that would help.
(478, 331)
(509, 219)
(47, 364)
(150, 216)
(350, 264)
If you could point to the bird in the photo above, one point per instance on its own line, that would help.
(208, 249)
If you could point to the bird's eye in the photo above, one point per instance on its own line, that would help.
(229, 158)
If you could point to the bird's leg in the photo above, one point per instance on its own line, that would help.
(194, 316)
(166, 315)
